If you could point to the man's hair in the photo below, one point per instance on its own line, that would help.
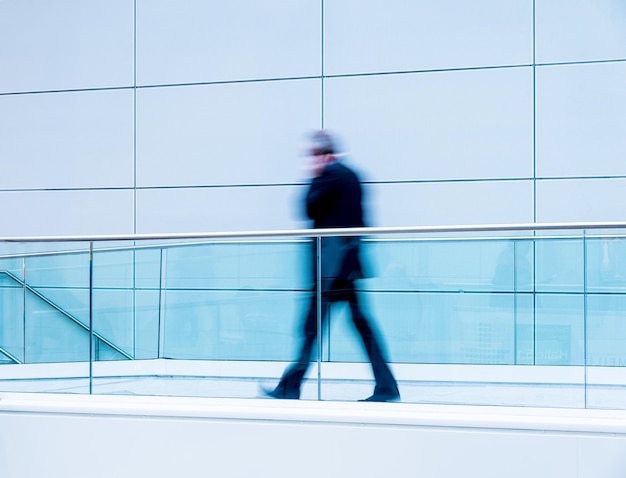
(322, 142)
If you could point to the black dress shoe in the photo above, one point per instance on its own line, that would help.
(280, 394)
(386, 396)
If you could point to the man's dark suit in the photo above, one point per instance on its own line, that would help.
(334, 199)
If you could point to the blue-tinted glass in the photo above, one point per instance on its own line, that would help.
(11, 320)
(113, 317)
(523, 316)
(246, 265)
(559, 333)
(417, 327)
(606, 330)
(606, 264)
(147, 323)
(148, 264)
(58, 270)
(63, 280)
(52, 336)
(496, 265)
(560, 265)
(113, 269)
(13, 266)
(233, 324)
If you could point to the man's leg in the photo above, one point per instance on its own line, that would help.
(291, 381)
(386, 386)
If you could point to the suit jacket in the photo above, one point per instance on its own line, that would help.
(335, 199)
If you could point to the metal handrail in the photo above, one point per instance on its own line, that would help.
(351, 231)
(10, 356)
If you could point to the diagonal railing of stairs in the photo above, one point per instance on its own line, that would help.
(63, 312)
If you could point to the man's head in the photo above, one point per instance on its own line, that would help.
(322, 149)
(322, 143)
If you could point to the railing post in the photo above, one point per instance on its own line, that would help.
(91, 317)
(162, 284)
(585, 307)
(24, 309)
(318, 298)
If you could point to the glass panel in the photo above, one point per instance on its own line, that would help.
(496, 265)
(560, 265)
(235, 266)
(62, 280)
(433, 328)
(147, 324)
(51, 336)
(458, 319)
(606, 322)
(237, 324)
(113, 302)
(11, 320)
(560, 331)
(148, 264)
(44, 323)
(467, 305)
(606, 330)
(233, 302)
(606, 264)
(113, 318)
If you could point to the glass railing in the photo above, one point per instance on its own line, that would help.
(522, 315)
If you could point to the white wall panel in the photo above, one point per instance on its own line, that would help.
(52, 213)
(219, 209)
(445, 125)
(66, 44)
(190, 41)
(238, 133)
(581, 120)
(399, 35)
(172, 436)
(70, 139)
(581, 200)
(575, 30)
(431, 204)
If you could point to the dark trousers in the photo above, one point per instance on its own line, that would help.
(289, 385)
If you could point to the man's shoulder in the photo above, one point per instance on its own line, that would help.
(341, 169)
